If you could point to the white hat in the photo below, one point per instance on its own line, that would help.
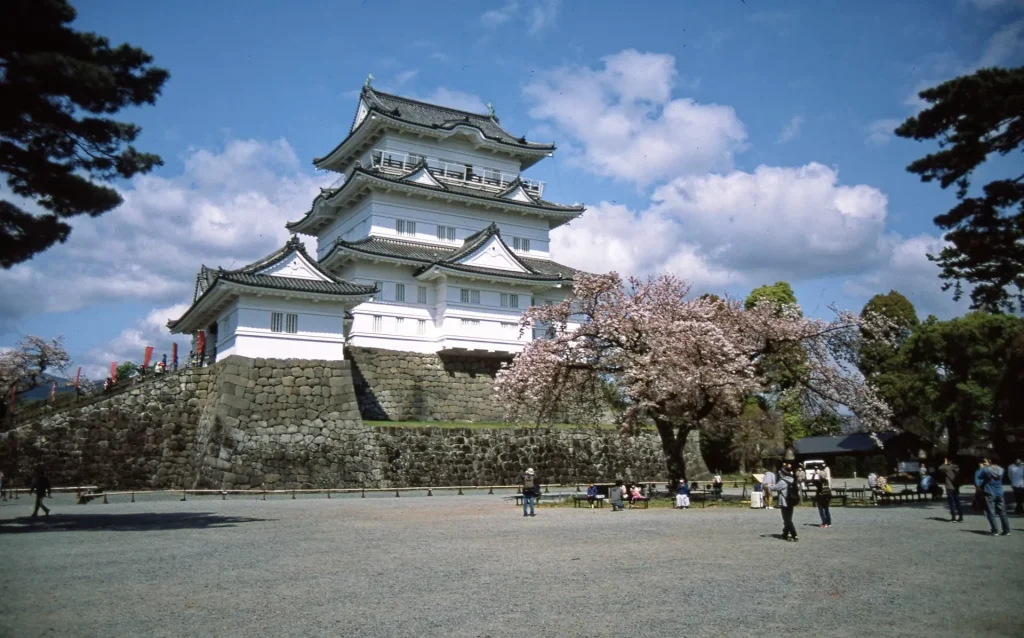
(529, 470)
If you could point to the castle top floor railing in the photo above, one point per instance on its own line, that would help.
(492, 179)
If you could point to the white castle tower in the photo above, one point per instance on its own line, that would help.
(431, 209)
(430, 241)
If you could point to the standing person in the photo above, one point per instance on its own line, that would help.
(789, 497)
(991, 483)
(41, 488)
(826, 472)
(716, 482)
(3, 490)
(616, 495)
(683, 495)
(766, 483)
(1016, 474)
(530, 491)
(823, 498)
(948, 472)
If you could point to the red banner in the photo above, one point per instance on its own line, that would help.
(113, 371)
(200, 345)
(174, 355)
(78, 376)
(147, 357)
(53, 393)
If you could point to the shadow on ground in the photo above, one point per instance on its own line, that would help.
(121, 522)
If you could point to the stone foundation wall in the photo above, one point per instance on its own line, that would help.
(408, 386)
(255, 423)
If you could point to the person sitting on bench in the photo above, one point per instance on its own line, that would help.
(592, 495)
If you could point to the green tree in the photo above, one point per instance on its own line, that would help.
(127, 370)
(1008, 421)
(780, 293)
(973, 117)
(55, 85)
(909, 388)
(971, 356)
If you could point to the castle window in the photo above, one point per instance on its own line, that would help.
(405, 227)
(399, 324)
(378, 323)
(446, 233)
(467, 295)
(276, 321)
(291, 323)
(509, 301)
(521, 244)
(399, 292)
(421, 327)
(380, 291)
(421, 294)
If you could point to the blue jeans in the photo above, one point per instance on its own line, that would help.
(995, 507)
(825, 514)
(953, 498)
(528, 502)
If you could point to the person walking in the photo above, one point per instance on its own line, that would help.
(41, 488)
(766, 485)
(530, 491)
(788, 498)
(948, 472)
(1016, 475)
(683, 495)
(823, 498)
(989, 480)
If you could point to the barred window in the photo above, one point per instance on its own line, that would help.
(509, 300)
(446, 233)
(291, 323)
(421, 327)
(378, 323)
(399, 324)
(468, 295)
(421, 294)
(399, 292)
(521, 244)
(380, 291)
(405, 227)
(276, 321)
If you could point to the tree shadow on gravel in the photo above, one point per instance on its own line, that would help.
(121, 522)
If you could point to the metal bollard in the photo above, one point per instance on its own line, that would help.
(363, 494)
(183, 495)
(133, 497)
(328, 494)
(460, 491)
(293, 495)
(491, 491)
(104, 499)
(264, 495)
(396, 493)
(223, 496)
(430, 492)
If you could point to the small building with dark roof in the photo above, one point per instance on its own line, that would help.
(283, 306)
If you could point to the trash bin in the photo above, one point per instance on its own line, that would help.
(755, 500)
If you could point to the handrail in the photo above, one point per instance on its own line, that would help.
(488, 177)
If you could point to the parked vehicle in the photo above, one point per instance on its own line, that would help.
(811, 469)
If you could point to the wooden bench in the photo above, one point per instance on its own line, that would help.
(584, 499)
(640, 503)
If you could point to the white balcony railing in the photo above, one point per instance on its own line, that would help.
(462, 174)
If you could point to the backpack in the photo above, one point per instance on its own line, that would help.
(792, 494)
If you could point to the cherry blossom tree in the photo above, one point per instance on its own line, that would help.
(22, 367)
(678, 362)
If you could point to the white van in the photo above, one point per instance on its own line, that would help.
(811, 469)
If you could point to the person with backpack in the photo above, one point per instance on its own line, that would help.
(530, 491)
(788, 498)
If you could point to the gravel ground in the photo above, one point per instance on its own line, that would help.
(473, 566)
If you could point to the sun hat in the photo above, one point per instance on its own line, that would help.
(529, 470)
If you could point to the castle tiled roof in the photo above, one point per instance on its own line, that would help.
(249, 275)
(540, 270)
(561, 212)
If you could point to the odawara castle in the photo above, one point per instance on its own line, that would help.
(430, 241)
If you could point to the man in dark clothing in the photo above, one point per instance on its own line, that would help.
(41, 488)
(782, 487)
(530, 491)
(948, 473)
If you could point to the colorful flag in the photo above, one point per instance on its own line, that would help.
(200, 346)
(113, 371)
(53, 393)
(174, 355)
(147, 357)
(78, 376)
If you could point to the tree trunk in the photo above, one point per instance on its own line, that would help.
(672, 444)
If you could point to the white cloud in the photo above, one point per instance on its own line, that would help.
(543, 15)
(1004, 45)
(440, 57)
(403, 77)
(227, 208)
(880, 132)
(908, 270)
(456, 100)
(791, 130)
(626, 123)
(497, 17)
(985, 5)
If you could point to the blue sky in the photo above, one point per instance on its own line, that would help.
(735, 143)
